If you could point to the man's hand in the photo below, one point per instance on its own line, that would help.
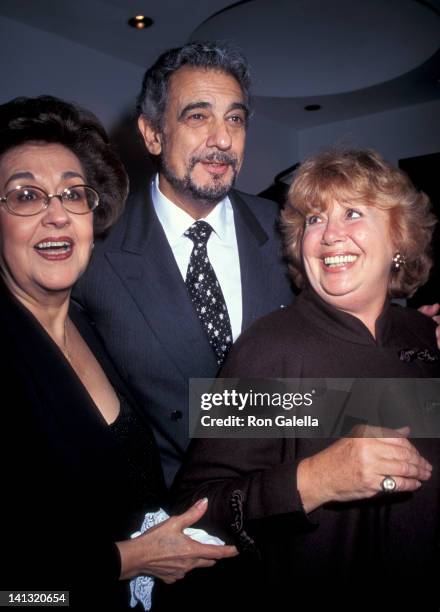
(433, 310)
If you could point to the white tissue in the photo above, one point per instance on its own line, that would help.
(141, 587)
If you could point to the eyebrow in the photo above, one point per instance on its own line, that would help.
(29, 176)
(198, 105)
(19, 175)
(192, 106)
(71, 174)
(240, 106)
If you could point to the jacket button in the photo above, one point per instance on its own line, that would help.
(176, 415)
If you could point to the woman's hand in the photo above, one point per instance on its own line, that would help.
(353, 468)
(167, 553)
(433, 311)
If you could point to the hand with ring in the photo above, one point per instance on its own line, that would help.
(359, 467)
(388, 484)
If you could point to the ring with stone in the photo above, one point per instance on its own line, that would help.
(388, 484)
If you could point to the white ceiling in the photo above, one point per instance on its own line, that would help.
(354, 57)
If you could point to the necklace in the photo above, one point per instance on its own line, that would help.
(65, 348)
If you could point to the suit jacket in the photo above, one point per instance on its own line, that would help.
(135, 295)
(64, 480)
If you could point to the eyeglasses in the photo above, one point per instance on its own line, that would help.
(27, 200)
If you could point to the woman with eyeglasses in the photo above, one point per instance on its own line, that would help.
(78, 463)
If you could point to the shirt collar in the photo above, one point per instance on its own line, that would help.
(176, 221)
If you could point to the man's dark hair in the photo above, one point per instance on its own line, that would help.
(153, 98)
(47, 119)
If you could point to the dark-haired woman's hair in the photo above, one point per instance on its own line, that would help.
(47, 119)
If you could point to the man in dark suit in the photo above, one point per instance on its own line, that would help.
(192, 262)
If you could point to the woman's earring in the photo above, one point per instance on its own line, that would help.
(398, 261)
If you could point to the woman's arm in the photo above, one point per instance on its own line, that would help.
(262, 470)
(258, 473)
(167, 553)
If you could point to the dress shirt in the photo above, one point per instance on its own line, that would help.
(222, 247)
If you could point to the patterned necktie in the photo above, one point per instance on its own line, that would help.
(206, 293)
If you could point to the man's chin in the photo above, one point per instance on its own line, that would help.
(212, 193)
(211, 188)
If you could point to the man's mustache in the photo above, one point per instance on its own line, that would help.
(218, 157)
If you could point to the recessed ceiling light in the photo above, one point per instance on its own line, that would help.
(140, 22)
(312, 107)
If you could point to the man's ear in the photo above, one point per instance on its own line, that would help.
(152, 138)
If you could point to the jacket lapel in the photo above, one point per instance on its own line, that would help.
(148, 270)
(251, 238)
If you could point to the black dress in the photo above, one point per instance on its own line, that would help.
(72, 485)
(342, 553)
